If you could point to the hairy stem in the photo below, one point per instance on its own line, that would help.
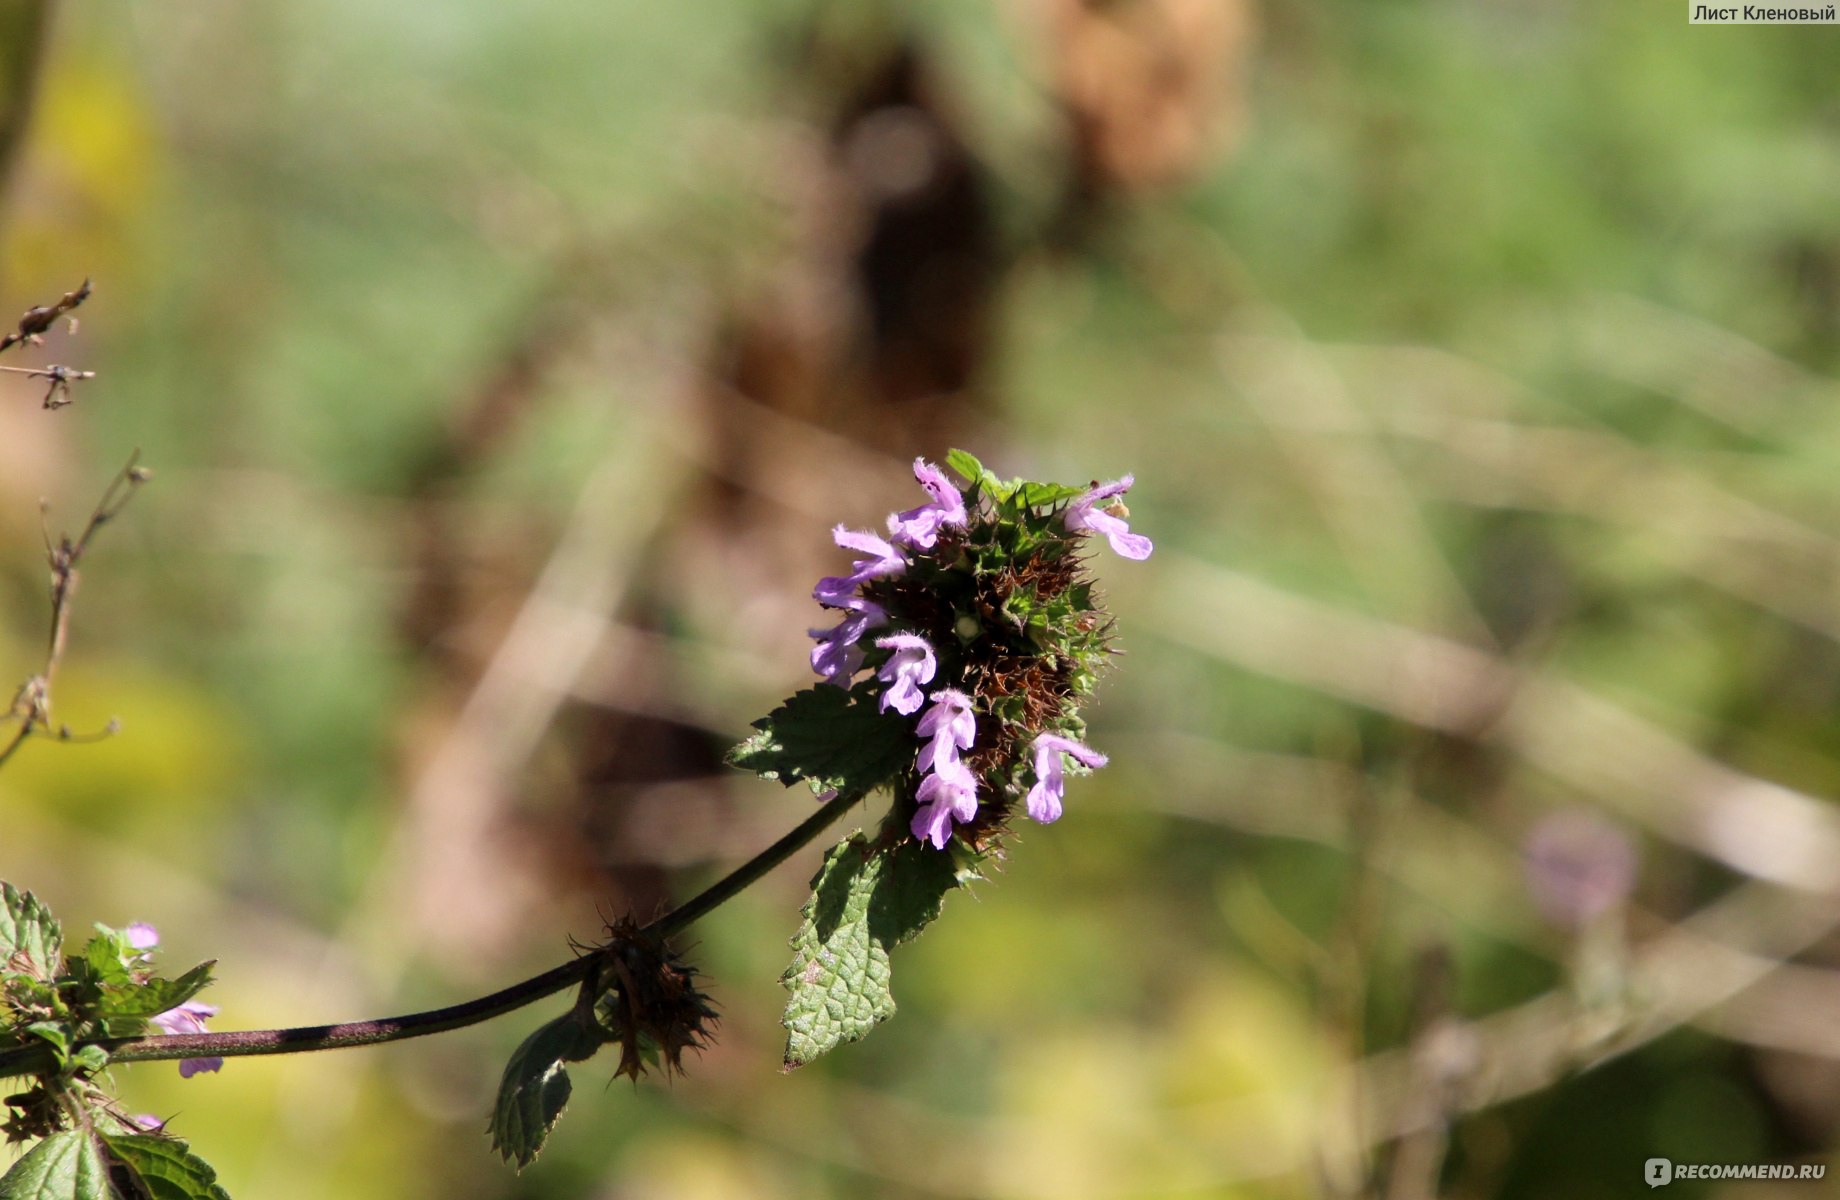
(31, 1060)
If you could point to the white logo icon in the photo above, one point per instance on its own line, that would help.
(1658, 1172)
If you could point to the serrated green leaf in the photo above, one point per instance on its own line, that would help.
(165, 1167)
(966, 464)
(828, 738)
(865, 901)
(105, 955)
(535, 1088)
(28, 933)
(973, 471)
(65, 1166)
(141, 1000)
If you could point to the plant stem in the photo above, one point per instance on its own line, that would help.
(744, 876)
(34, 1059)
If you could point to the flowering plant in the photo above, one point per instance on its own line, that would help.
(967, 639)
(990, 630)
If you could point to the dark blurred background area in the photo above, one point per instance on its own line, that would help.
(1470, 825)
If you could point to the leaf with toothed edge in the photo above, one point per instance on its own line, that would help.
(164, 1168)
(65, 1166)
(29, 934)
(535, 1088)
(828, 738)
(866, 899)
(139, 1001)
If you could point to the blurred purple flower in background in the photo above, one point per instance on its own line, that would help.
(1579, 866)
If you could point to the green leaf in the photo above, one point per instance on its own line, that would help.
(141, 1000)
(864, 902)
(28, 933)
(1041, 495)
(65, 1166)
(91, 1058)
(966, 464)
(536, 1086)
(106, 956)
(973, 471)
(56, 1034)
(165, 1167)
(828, 738)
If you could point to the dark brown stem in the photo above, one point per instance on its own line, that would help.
(34, 1059)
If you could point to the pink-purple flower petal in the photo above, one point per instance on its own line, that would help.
(189, 1018)
(911, 665)
(1044, 799)
(919, 527)
(836, 656)
(950, 717)
(932, 823)
(1084, 513)
(883, 562)
(946, 796)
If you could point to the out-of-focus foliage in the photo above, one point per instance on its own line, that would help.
(505, 367)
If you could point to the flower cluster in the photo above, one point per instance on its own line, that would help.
(989, 631)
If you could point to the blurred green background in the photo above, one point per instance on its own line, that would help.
(504, 367)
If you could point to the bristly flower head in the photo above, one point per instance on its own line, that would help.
(992, 635)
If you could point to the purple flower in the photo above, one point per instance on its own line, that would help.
(911, 665)
(144, 939)
(946, 796)
(1044, 799)
(836, 591)
(189, 1018)
(919, 527)
(1579, 867)
(1084, 513)
(836, 656)
(951, 725)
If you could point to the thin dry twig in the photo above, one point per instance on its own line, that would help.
(31, 706)
(30, 331)
(58, 378)
(37, 320)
